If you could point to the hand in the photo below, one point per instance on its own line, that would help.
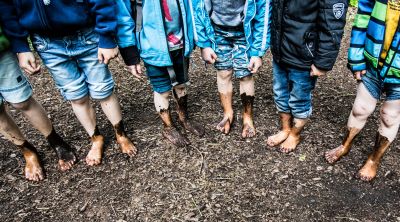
(208, 55)
(317, 72)
(28, 62)
(255, 64)
(105, 55)
(136, 71)
(359, 74)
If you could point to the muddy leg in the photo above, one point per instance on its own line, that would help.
(364, 106)
(290, 144)
(181, 98)
(247, 97)
(8, 128)
(225, 89)
(169, 132)
(388, 128)
(37, 116)
(124, 142)
(282, 135)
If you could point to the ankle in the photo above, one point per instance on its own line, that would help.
(119, 129)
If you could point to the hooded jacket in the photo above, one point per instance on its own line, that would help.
(307, 32)
(57, 18)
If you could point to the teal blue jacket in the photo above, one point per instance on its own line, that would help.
(257, 23)
(151, 40)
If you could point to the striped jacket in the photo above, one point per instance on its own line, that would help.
(256, 26)
(367, 40)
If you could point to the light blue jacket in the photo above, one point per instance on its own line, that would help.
(257, 25)
(151, 40)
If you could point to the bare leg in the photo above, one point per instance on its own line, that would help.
(8, 128)
(388, 128)
(87, 117)
(112, 109)
(169, 132)
(37, 116)
(247, 96)
(181, 98)
(363, 107)
(290, 144)
(282, 135)
(225, 89)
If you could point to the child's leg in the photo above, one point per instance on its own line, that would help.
(225, 89)
(247, 97)
(112, 109)
(388, 128)
(300, 104)
(37, 116)
(281, 98)
(161, 102)
(8, 128)
(364, 105)
(181, 97)
(87, 117)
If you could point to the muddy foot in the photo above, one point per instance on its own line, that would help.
(368, 171)
(96, 151)
(278, 138)
(334, 155)
(175, 137)
(194, 127)
(248, 130)
(66, 157)
(126, 146)
(225, 125)
(290, 144)
(33, 169)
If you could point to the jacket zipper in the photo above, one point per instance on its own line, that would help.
(394, 54)
(42, 14)
(251, 19)
(165, 30)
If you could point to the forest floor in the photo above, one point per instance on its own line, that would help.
(218, 177)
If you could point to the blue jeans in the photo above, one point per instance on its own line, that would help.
(292, 91)
(14, 87)
(376, 87)
(231, 51)
(73, 63)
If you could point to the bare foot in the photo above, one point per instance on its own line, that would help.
(33, 170)
(334, 155)
(248, 130)
(126, 146)
(290, 144)
(225, 125)
(278, 138)
(96, 151)
(66, 158)
(193, 127)
(368, 171)
(175, 137)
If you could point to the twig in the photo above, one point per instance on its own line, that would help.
(197, 207)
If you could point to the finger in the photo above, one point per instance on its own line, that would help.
(29, 69)
(106, 60)
(363, 72)
(138, 69)
(100, 57)
(251, 65)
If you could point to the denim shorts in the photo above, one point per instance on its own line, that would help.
(159, 76)
(14, 87)
(231, 50)
(376, 87)
(74, 65)
(293, 91)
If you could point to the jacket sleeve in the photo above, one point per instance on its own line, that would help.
(330, 25)
(356, 59)
(200, 13)
(104, 12)
(18, 36)
(261, 28)
(126, 38)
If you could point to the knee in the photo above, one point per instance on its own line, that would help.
(225, 75)
(362, 110)
(81, 101)
(389, 117)
(24, 106)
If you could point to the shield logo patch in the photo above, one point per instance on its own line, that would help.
(338, 10)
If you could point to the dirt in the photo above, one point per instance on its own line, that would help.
(217, 178)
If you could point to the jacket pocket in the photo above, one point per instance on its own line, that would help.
(310, 44)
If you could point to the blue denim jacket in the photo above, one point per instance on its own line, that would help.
(257, 25)
(151, 40)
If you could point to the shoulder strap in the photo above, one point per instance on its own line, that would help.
(137, 14)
